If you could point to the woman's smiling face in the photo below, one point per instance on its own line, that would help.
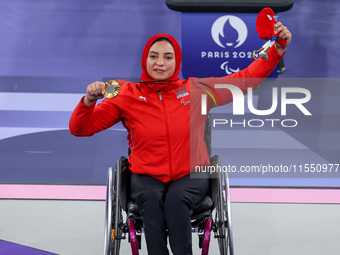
(161, 61)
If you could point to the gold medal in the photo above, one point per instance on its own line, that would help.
(111, 89)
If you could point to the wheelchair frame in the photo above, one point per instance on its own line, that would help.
(116, 228)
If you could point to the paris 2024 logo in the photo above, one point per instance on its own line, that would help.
(229, 32)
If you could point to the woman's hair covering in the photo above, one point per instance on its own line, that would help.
(178, 55)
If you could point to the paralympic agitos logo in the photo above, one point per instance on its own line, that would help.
(239, 103)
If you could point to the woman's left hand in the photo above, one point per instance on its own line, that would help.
(285, 34)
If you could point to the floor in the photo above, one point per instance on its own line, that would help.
(52, 185)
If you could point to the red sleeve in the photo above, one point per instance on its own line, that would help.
(260, 69)
(88, 120)
(252, 76)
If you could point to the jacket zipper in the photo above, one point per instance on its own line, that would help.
(167, 132)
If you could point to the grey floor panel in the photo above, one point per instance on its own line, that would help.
(76, 227)
(62, 227)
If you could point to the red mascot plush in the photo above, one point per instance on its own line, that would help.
(265, 28)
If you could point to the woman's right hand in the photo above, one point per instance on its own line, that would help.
(94, 91)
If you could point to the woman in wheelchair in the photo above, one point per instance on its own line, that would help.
(165, 134)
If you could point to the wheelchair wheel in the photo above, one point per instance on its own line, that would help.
(113, 214)
(223, 217)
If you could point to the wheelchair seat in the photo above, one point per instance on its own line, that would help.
(202, 208)
(200, 211)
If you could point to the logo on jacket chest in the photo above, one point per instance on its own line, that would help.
(182, 94)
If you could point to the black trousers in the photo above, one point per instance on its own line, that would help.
(167, 206)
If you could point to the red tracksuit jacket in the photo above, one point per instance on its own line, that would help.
(165, 126)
